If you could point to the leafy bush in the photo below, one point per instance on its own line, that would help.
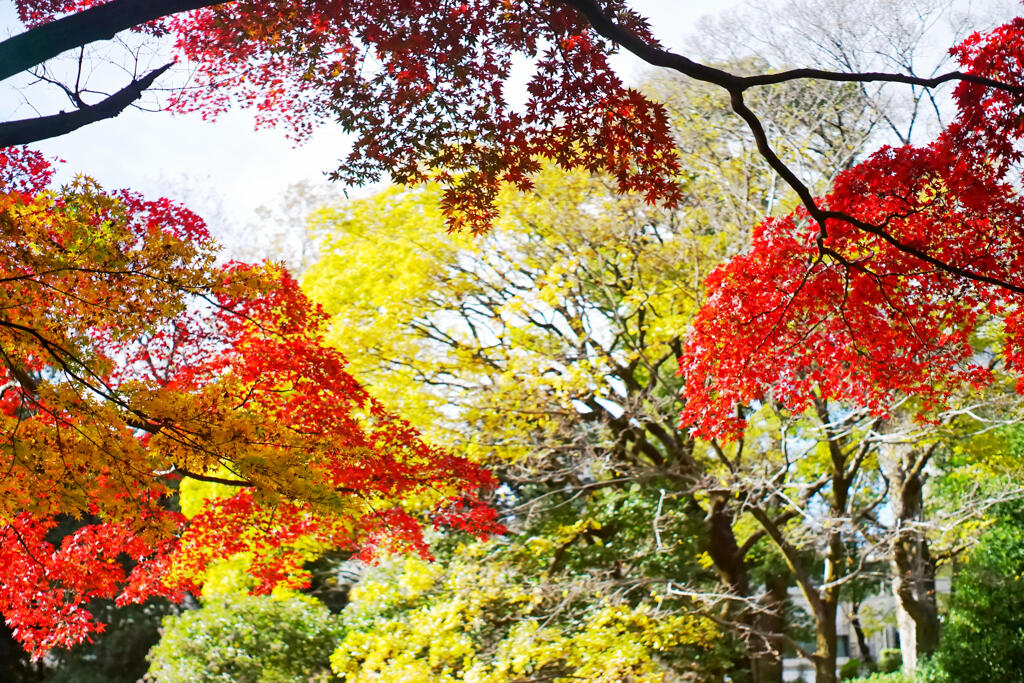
(851, 669)
(247, 639)
(890, 660)
(891, 677)
(926, 672)
(983, 639)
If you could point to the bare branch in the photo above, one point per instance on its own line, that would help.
(26, 131)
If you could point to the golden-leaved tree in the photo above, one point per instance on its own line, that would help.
(547, 349)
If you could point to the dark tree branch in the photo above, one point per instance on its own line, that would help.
(213, 480)
(736, 85)
(27, 131)
(102, 22)
(651, 54)
(878, 230)
(657, 56)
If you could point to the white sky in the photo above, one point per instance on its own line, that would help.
(226, 169)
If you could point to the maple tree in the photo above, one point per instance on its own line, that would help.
(422, 84)
(898, 287)
(130, 361)
(885, 287)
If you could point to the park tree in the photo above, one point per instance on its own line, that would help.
(130, 361)
(982, 627)
(490, 345)
(546, 348)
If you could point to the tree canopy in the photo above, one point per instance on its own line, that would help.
(132, 360)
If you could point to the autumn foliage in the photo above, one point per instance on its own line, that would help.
(921, 255)
(131, 360)
(422, 85)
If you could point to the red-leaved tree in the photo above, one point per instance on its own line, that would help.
(128, 361)
(879, 290)
(902, 286)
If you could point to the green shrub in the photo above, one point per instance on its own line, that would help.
(889, 661)
(983, 638)
(247, 639)
(926, 673)
(851, 669)
(892, 677)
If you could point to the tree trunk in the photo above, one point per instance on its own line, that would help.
(825, 654)
(723, 548)
(766, 666)
(912, 564)
(914, 586)
(766, 630)
(863, 647)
